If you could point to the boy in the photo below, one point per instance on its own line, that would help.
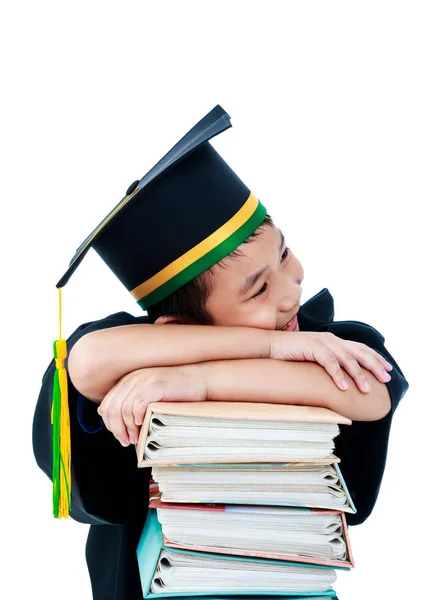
(179, 243)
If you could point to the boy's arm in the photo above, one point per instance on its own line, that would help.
(303, 383)
(123, 408)
(99, 359)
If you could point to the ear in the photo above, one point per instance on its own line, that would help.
(164, 320)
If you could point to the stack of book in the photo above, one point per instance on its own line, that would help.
(245, 499)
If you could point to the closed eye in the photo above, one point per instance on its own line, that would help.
(260, 291)
(285, 254)
(264, 287)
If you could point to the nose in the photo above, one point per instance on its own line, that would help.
(290, 293)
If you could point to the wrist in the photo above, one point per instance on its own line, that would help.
(196, 380)
(279, 344)
(250, 343)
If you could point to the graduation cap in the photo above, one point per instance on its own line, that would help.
(185, 215)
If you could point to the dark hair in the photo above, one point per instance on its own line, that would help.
(188, 302)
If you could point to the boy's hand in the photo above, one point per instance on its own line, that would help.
(332, 353)
(123, 408)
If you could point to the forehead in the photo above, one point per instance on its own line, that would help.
(257, 254)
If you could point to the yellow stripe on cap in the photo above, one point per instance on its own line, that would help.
(198, 251)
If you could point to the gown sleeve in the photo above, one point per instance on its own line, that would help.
(104, 474)
(362, 447)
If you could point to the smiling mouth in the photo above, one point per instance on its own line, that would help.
(292, 323)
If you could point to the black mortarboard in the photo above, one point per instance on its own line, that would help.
(185, 215)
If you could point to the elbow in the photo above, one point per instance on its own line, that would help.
(384, 405)
(378, 402)
(360, 406)
(83, 367)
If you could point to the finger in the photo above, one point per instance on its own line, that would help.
(129, 420)
(383, 362)
(353, 368)
(370, 360)
(154, 394)
(140, 408)
(333, 364)
(110, 411)
(329, 362)
(139, 412)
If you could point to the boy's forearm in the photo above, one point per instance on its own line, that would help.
(302, 383)
(99, 359)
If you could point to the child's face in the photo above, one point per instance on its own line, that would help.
(272, 299)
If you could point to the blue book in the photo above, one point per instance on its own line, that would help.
(172, 573)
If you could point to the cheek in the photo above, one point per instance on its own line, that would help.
(222, 312)
(259, 315)
(249, 314)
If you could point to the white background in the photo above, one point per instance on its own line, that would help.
(332, 106)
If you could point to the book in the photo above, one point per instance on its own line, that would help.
(176, 433)
(282, 484)
(272, 532)
(167, 572)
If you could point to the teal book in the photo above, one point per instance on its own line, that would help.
(173, 573)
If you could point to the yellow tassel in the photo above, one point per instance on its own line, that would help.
(61, 429)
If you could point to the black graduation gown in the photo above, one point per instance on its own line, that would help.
(110, 493)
